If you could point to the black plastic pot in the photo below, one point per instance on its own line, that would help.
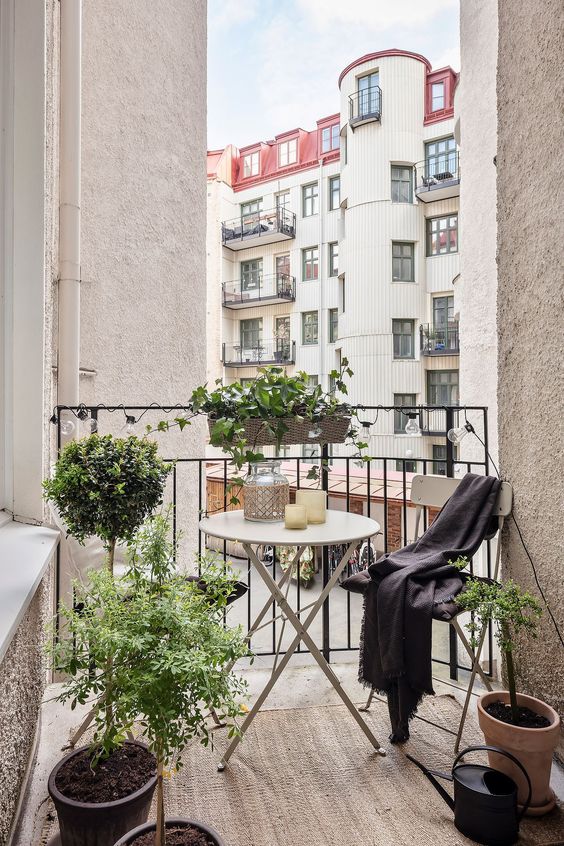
(176, 821)
(99, 823)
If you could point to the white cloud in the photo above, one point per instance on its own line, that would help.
(376, 15)
(230, 13)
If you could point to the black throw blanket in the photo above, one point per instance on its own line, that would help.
(401, 590)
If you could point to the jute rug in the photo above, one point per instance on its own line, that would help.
(310, 778)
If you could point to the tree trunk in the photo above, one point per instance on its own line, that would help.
(160, 834)
(111, 554)
(511, 681)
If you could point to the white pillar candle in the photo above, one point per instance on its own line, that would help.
(315, 502)
(295, 517)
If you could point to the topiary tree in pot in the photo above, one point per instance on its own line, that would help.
(107, 486)
(522, 725)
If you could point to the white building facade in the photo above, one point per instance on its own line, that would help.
(343, 242)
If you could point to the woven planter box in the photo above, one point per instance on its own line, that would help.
(333, 430)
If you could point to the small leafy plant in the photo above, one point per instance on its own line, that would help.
(271, 397)
(107, 486)
(511, 608)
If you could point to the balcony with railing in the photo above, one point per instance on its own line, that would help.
(365, 106)
(263, 352)
(438, 177)
(261, 227)
(439, 340)
(270, 289)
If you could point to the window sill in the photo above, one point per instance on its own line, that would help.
(25, 552)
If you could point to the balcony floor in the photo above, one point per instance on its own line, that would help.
(304, 767)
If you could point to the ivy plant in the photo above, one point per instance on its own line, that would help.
(107, 486)
(151, 649)
(512, 609)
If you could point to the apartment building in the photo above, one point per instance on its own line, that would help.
(342, 241)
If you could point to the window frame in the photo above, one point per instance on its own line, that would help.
(409, 463)
(311, 199)
(447, 229)
(332, 138)
(257, 211)
(251, 274)
(402, 259)
(333, 269)
(432, 389)
(332, 192)
(314, 328)
(439, 161)
(398, 356)
(289, 144)
(398, 181)
(439, 84)
(333, 320)
(400, 419)
(314, 261)
(258, 330)
(254, 158)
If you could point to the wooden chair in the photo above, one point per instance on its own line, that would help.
(433, 492)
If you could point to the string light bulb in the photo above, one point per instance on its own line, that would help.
(67, 427)
(412, 425)
(458, 434)
(130, 422)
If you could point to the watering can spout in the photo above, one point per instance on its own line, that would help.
(431, 776)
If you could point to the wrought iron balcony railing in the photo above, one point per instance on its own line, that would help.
(266, 227)
(438, 177)
(272, 288)
(262, 352)
(365, 106)
(441, 340)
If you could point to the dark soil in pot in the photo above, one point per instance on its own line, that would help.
(176, 836)
(526, 717)
(124, 772)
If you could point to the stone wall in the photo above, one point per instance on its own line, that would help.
(22, 679)
(530, 199)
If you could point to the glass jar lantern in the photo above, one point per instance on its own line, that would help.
(266, 492)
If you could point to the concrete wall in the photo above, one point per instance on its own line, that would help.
(531, 315)
(476, 289)
(22, 679)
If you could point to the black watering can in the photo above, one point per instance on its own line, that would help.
(485, 800)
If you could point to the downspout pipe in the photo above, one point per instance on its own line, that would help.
(69, 202)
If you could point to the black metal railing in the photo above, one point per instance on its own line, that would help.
(438, 171)
(439, 340)
(365, 105)
(380, 488)
(258, 287)
(260, 352)
(259, 225)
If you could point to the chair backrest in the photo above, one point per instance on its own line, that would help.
(433, 491)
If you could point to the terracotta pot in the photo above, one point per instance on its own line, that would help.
(99, 823)
(142, 829)
(534, 747)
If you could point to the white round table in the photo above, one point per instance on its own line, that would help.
(340, 527)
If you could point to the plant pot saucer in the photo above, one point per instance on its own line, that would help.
(541, 810)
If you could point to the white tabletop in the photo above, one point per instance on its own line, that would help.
(340, 527)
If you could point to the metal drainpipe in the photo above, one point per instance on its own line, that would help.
(322, 265)
(69, 202)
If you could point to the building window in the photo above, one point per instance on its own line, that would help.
(251, 333)
(282, 337)
(409, 465)
(312, 382)
(251, 274)
(252, 208)
(251, 165)
(334, 259)
(330, 138)
(288, 152)
(333, 325)
(310, 199)
(334, 193)
(439, 459)
(282, 265)
(442, 235)
(443, 312)
(437, 96)
(283, 200)
(442, 387)
(310, 333)
(310, 263)
(344, 149)
(310, 453)
(343, 295)
(403, 269)
(400, 419)
(440, 158)
(368, 94)
(402, 184)
(402, 331)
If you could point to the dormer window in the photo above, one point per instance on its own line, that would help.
(330, 138)
(437, 96)
(287, 152)
(251, 164)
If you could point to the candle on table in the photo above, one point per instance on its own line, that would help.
(315, 502)
(295, 517)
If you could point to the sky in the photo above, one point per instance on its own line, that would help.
(273, 65)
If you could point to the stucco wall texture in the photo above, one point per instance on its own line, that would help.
(22, 680)
(530, 309)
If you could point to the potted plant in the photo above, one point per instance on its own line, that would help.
(524, 726)
(176, 659)
(107, 486)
